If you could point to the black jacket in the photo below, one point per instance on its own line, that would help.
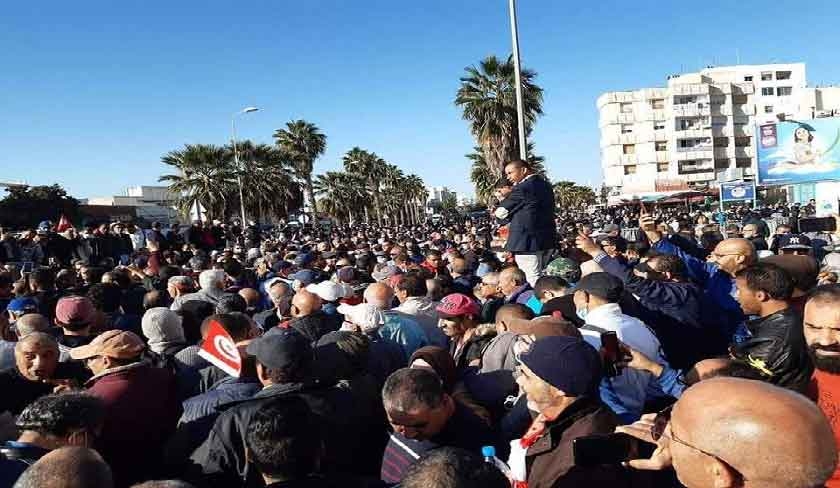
(220, 460)
(778, 347)
(315, 325)
(530, 209)
(682, 318)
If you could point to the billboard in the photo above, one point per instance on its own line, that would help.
(798, 151)
(736, 190)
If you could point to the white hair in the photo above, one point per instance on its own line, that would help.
(210, 278)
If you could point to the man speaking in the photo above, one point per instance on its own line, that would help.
(529, 207)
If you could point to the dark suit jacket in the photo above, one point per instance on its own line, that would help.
(530, 209)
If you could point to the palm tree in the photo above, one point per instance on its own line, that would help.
(483, 179)
(487, 97)
(341, 195)
(304, 143)
(568, 194)
(267, 179)
(416, 197)
(206, 177)
(371, 169)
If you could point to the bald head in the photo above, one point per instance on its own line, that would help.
(458, 266)
(68, 467)
(379, 295)
(251, 296)
(508, 313)
(305, 303)
(733, 255)
(32, 322)
(762, 433)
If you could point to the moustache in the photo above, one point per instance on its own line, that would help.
(833, 348)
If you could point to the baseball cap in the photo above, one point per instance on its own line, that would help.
(117, 344)
(23, 304)
(566, 363)
(329, 291)
(457, 304)
(602, 285)
(305, 276)
(794, 241)
(279, 348)
(74, 310)
(303, 259)
(346, 274)
(564, 268)
(365, 315)
(383, 272)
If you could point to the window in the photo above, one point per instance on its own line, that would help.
(718, 121)
(630, 169)
(782, 75)
(768, 109)
(767, 91)
(784, 91)
(629, 149)
(684, 99)
(739, 99)
(721, 163)
(662, 167)
(626, 108)
(661, 146)
(660, 125)
(748, 78)
(741, 120)
(686, 124)
(626, 128)
(743, 163)
(742, 141)
(767, 76)
(657, 103)
(721, 142)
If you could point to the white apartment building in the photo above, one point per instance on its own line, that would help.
(700, 127)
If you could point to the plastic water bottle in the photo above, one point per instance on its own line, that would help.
(489, 453)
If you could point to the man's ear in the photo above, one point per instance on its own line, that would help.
(722, 474)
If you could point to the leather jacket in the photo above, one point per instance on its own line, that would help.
(777, 348)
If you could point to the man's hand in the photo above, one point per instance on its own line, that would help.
(661, 458)
(587, 245)
(648, 225)
(636, 360)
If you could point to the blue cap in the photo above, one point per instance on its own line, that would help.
(488, 451)
(305, 276)
(25, 304)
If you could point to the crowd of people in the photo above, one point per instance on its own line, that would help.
(448, 354)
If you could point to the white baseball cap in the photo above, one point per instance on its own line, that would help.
(329, 291)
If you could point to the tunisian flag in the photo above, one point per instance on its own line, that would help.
(63, 224)
(219, 349)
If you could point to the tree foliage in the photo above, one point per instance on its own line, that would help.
(26, 206)
(568, 194)
(487, 98)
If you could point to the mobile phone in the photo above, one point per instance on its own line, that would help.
(817, 224)
(600, 449)
(611, 355)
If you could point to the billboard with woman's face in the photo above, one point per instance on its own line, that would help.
(798, 151)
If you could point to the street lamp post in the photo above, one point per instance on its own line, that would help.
(245, 110)
(520, 109)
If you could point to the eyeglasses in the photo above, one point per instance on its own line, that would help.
(718, 256)
(660, 425)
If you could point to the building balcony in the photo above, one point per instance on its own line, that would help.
(694, 153)
(617, 118)
(690, 89)
(724, 152)
(662, 157)
(628, 159)
(630, 138)
(691, 110)
(736, 110)
(743, 131)
(744, 152)
(694, 133)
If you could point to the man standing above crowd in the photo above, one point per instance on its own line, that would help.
(529, 207)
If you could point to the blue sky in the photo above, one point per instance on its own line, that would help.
(92, 93)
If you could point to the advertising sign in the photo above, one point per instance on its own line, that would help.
(798, 151)
(736, 190)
